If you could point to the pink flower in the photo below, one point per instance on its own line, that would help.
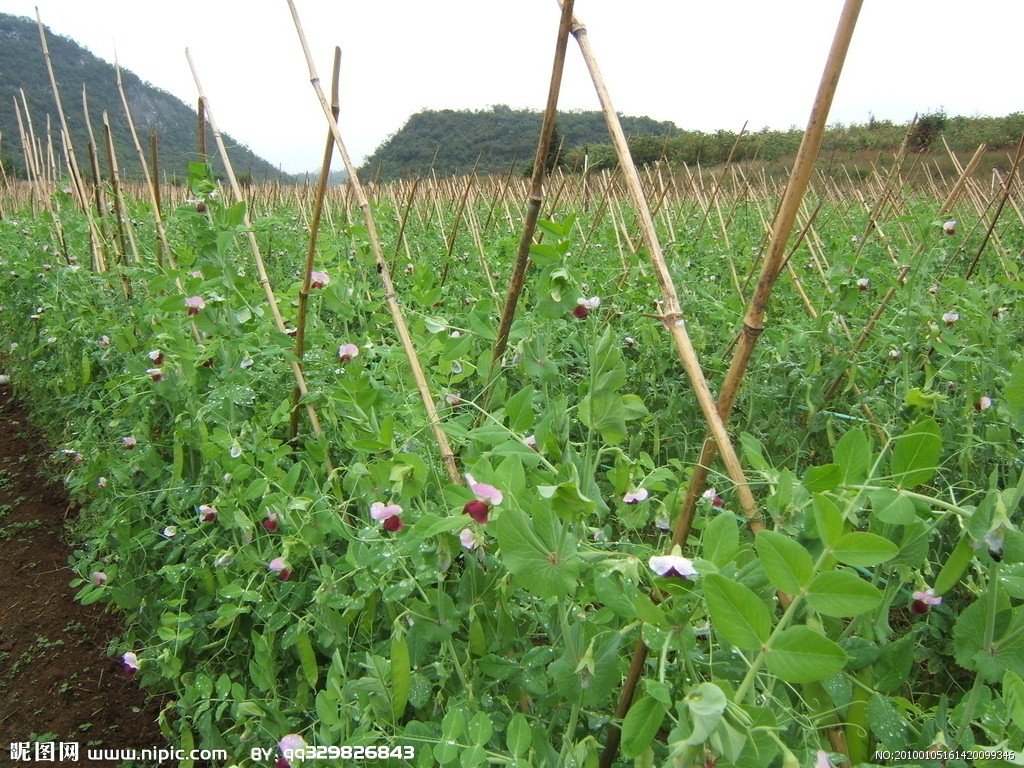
(381, 511)
(584, 305)
(634, 497)
(950, 227)
(668, 566)
(950, 317)
(823, 761)
(347, 351)
(453, 399)
(270, 523)
(483, 491)
(98, 577)
(895, 354)
(104, 341)
(194, 304)
(207, 514)
(155, 373)
(318, 279)
(291, 746)
(129, 443)
(280, 567)
(393, 524)
(712, 495)
(983, 403)
(923, 600)
(468, 539)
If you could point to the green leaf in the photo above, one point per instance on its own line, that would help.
(915, 454)
(892, 507)
(479, 729)
(893, 666)
(886, 722)
(738, 615)
(603, 412)
(863, 549)
(801, 655)
(842, 593)
(828, 519)
(539, 553)
(786, 563)
(1013, 697)
(824, 478)
(853, 455)
(517, 735)
(307, 657)
(640, 726)
(721, 539)
(519, 410)
(1014, 394)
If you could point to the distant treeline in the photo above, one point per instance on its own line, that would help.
(449, 142)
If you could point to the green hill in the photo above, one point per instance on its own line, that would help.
(449, 141)
(23, 67)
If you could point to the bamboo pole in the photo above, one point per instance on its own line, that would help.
(1004, 195)
(390, 297)
(261, 269)
(314, 229)
(753, 322)
(535, 198)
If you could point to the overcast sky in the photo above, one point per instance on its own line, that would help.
(704, 65)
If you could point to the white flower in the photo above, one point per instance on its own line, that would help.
(668, 566)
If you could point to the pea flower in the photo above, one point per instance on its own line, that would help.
(950, 227)
(895, 354)
(923, 600)
(453, 399)
(170, 531)
(584, 305)
(129, 443)
(823, 761)
(672, 566)
(863, 284)
(207, 514)
(468, 539)
(131, 663)
(388, 514)
(104, 341)
(318, 279)
(194, 304)
(270, 522)
(98, 577)
(983, 403)
(101, 482)
(157, 356)
(486, 497)
(280, 567)
(292, 744)
(634, 497)
(347, 351)
(950, 317)
(155, 373)
(712, 495)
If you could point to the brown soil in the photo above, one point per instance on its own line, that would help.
(57, 683)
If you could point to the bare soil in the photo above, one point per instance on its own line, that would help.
(57, 681)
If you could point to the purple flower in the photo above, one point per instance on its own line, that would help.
(388, 514)
(484, 492)
(207, 514)
(131, 663)
(347, 351)
(280, 567)
(950, 317)
(468, 539)
(923, 600)
(98, 577)
(950, 227)
(129, 443)
(634, 497)
(669, 566)
(318, 279)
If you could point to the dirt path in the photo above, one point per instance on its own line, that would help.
(57, 683)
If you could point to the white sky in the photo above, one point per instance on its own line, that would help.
(703, 64)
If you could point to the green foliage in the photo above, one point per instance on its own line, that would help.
(503, 638)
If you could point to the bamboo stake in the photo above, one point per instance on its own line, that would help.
(371, 228)
(314, 229)
(753, 322)
(535, 198)
(268, 291)
(1004, 194)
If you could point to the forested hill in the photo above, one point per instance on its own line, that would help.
(23, 68)
(449, 141)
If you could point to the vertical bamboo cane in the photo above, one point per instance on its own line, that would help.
(390, 297)
(314, 229)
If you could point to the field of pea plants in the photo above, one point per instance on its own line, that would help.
(307, 573)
